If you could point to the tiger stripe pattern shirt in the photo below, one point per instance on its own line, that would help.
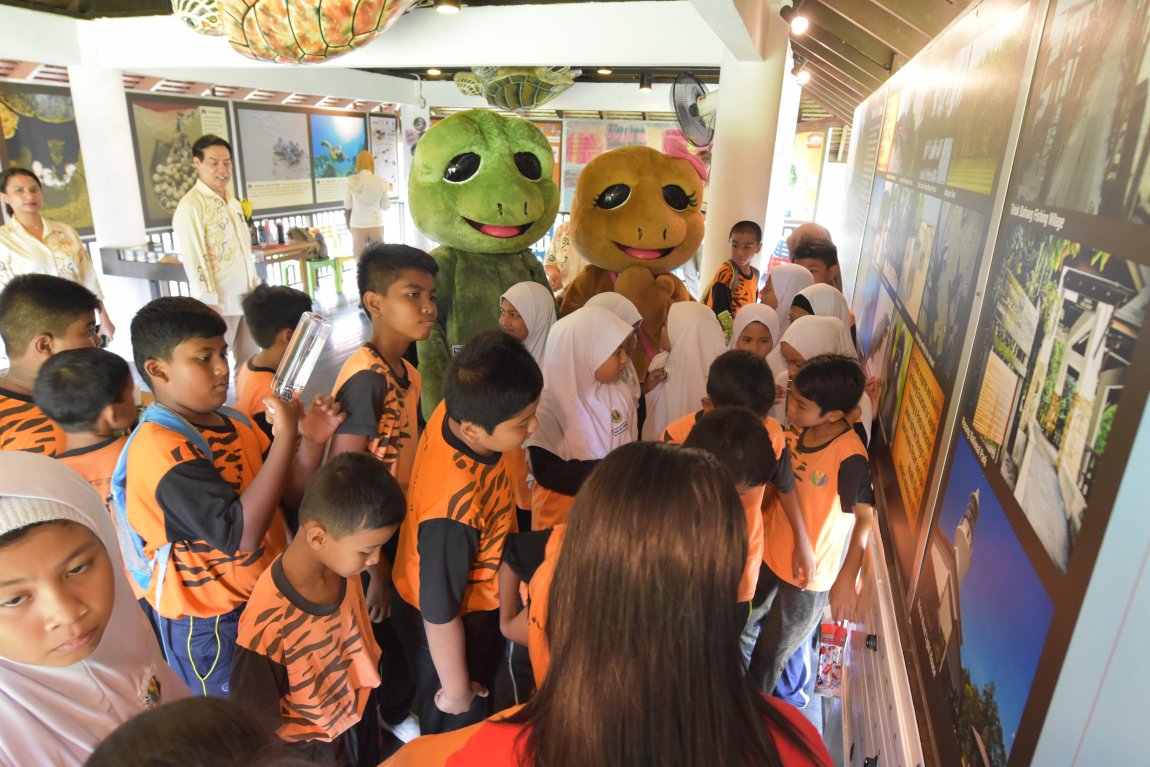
(382, 407)
(176, 494)
(460, 509)
(23, 426)
(310, 666)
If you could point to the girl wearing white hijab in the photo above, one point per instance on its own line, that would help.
(77, 657)
(692, 339)
(822, 301)
(526, 313)
(622, 308)
(809, 337)
(586, 409)
(783, 282)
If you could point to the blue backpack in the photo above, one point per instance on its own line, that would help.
(139, 566)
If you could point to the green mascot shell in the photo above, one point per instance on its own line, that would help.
(482, 187)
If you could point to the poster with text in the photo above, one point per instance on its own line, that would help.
(276, 158)
(940, 148)
(335, 141)
(584, 140)
(40, 135)
(163, 131)
(384, 133)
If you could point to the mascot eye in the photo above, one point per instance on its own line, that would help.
(613, 196)
(677, 198)
(462, 167)
(529, 165)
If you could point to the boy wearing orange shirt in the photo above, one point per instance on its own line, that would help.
(306, 663)
(460, 509)
(198, 487)
(271, 314)
(40, 316)
(89, 394)
(832, 479)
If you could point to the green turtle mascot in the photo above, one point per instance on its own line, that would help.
(481, 186)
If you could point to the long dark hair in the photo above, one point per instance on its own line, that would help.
(7, 175)
(644, 626)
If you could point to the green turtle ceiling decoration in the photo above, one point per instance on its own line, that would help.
(302, 31)
(516, 88)
(203, 16)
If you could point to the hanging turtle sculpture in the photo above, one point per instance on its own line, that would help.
(203, 16)
(516, 88)
(306, 31)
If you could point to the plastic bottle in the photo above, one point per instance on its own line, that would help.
(301, 356)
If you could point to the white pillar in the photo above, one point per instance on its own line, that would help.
(743, 155)
(113, 187)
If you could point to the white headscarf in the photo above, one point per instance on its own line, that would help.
(618, 304)
(811, 336)
(696, 339)
(760, 313)
(536, 306)
(767, 316)
(58, 715)
(827, 301)
(579, 417)
(787, 280)
(622, 308)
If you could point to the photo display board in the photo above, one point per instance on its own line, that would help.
(276, 157)
(163, 131)
(1022, 413)
(336, 138)
(384, 133)
(40, 135)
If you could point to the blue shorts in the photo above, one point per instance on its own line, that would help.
(200, 650)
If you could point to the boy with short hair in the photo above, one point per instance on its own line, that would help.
(821, 258)
(738, 438)
(271, 314)
(306, 662)
(736, 283)
(40, 316)
(90, 395)
(832, 479)
(460, 508)
(377, 388)
(198, 487)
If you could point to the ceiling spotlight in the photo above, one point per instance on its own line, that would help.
(434, 72)
(798, 23)
(803, 76)
(644, 82)
(604, 70)
(447, 7)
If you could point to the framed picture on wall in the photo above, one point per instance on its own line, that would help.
(163, 131)
(275, 154)
(336, 138)
(383, 131)
(40, 135)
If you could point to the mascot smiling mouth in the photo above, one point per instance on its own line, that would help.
(504, 232)
(646, 254)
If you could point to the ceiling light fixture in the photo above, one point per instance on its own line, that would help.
(434, 72)
(447, 7)
(791, 14)
(604, 70)
(644, 82)
(800, 71)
